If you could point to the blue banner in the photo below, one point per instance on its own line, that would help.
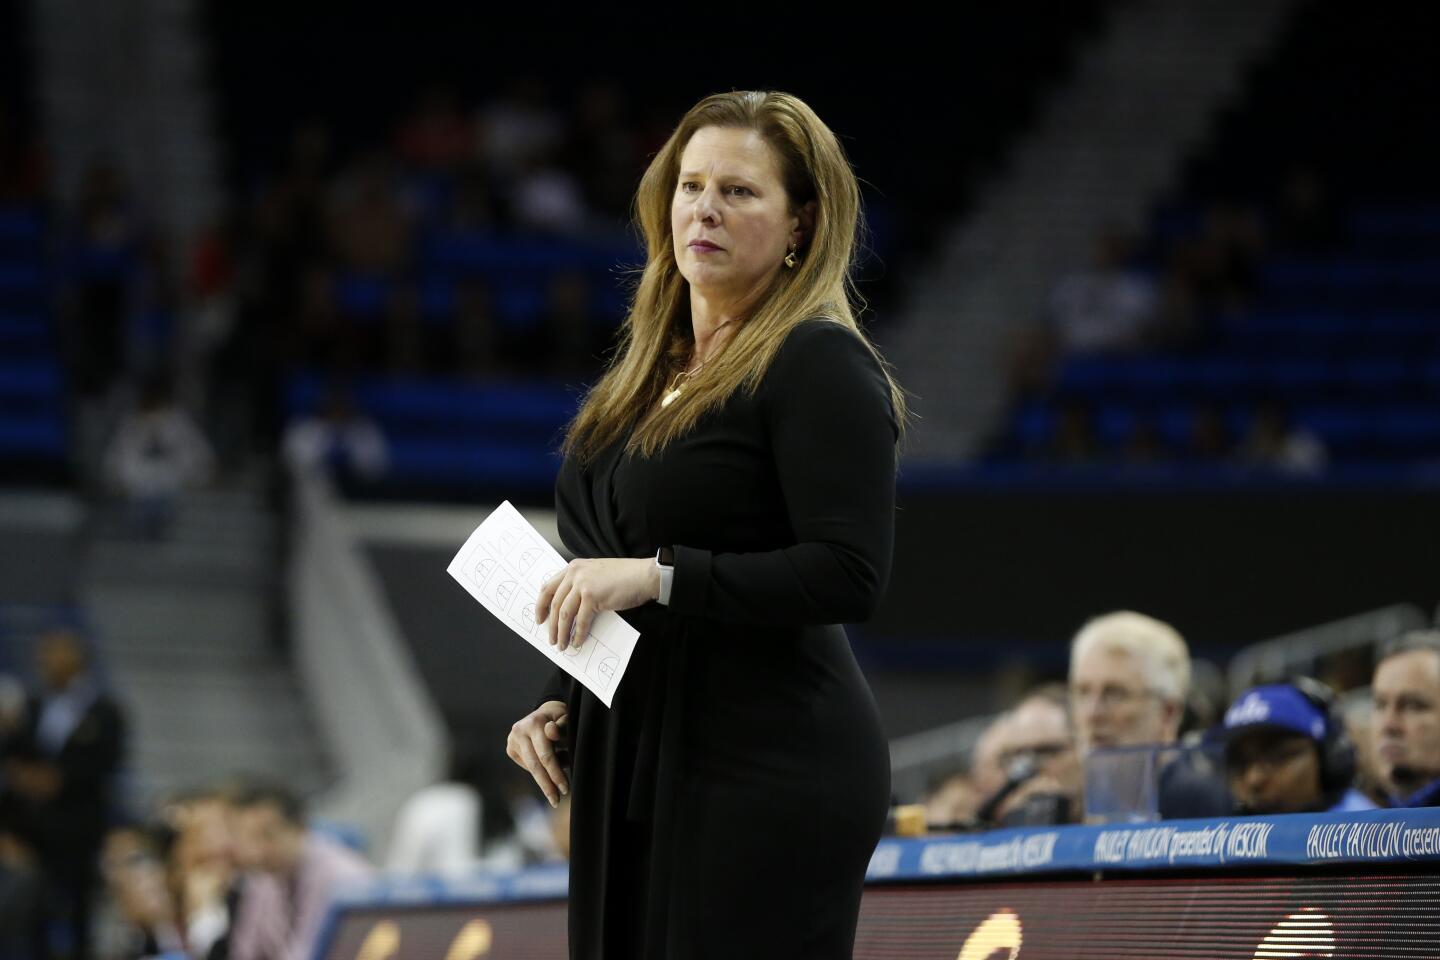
(1377, 836)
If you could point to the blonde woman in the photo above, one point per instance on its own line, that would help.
(729, 485)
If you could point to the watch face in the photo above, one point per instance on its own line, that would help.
(666, 556)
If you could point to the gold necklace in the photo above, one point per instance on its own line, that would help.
(674, 391)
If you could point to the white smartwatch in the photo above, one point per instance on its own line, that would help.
(665, 563)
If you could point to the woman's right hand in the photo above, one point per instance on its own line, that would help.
(531, 744)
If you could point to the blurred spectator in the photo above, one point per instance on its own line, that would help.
(21, 899)
(569, 323)
(1144, 445)
(1287, 751)
(1073, 440)
(435, 136)
(204, 879)
(323, 338)
(476, 336)
(60, 763)
(1360, 723)
(293, 875)
(135, 876)
(517, 127)
(1305, 220)
(606, 153)
(546, 198)
(1222, 265)
(957, 799)
(157, 452)
(474, 208)
(105, 242)
(369, 229)
(1205, 702)
(1406, 721)
(1274, 444)
(349, 444)
(1106, 308)
(438, 829)
(1209, 438)
(1036, 752)
(1129, 678)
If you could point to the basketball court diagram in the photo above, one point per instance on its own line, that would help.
(504, 564)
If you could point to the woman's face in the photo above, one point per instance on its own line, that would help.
(730, 216)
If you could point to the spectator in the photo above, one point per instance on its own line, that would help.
(1222, 266)
(106, 242)
(203, 870)
(60, 764)
(1106, 308)
(1073, 440)
(438, 829)
(1129, 677)
(435, 136)
(546, 198)
(1036, 751)
(293, 874)
(1287, 751)
(1306, 221)
(1273, 443)
(135, 877)
(1406, 691)
(604, 150)
(369, 228)
(349, 444)
(21, 899)
(157, 452)
(1209, 441)
(958, 798)
(518, 127)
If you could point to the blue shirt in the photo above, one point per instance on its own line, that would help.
(1352, 800)
(1426, 796)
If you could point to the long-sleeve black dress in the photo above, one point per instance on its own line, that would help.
(728, 802)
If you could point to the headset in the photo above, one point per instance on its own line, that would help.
(1337, 753)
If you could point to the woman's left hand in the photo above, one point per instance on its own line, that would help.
(585, 588)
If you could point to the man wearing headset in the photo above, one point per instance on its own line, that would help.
(1286, 751)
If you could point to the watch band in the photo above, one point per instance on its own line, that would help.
(665, 563)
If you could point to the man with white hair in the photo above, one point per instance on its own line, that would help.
(1129, 676)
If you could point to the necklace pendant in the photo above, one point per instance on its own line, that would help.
(669, 398)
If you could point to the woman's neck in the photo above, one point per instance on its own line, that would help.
(711, 324)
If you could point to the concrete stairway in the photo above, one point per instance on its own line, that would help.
(187, 626)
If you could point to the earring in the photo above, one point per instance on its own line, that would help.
(790, 258)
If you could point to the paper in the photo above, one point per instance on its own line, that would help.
(504, 564)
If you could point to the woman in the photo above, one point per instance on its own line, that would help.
(728, 484)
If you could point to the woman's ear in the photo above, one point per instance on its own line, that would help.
(804, 225)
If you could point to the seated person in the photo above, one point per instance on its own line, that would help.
(1035, 753)
(1129, 678)
(1406, 722)
(1286, 751)
(293, 873)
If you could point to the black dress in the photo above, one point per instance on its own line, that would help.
(728, 802)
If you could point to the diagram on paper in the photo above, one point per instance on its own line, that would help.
(504, 564)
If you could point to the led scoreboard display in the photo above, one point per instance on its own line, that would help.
(1335, 886)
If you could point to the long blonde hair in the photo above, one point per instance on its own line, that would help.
(656, 336)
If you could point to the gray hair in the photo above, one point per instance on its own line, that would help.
(1154, 643)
